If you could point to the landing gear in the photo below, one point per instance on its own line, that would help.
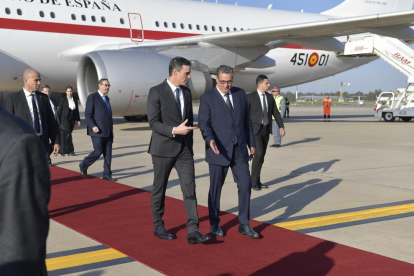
(137, 118)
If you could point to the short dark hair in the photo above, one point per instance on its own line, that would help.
(69, 87)
(102, 80)
(45, 86)
(225, 69)
(177, 63)
(260, 79)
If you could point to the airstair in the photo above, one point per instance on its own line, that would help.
(399, 55)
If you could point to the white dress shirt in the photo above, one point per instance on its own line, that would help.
(261, 101)
(173, 88)
(71, 104)
(29, 103)
(224, 96)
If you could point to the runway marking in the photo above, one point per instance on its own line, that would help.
(83, 259)
(346, 217)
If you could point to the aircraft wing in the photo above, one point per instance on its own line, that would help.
(318, 30)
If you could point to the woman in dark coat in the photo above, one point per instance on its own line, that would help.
(68, 112)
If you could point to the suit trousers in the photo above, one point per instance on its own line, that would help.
(262, 139)
(101, 145)
(241, 175)
(277, 138)
(184, 164)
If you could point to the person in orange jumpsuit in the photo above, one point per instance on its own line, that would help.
(327, 108)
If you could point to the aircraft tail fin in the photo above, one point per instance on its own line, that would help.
(351, 8)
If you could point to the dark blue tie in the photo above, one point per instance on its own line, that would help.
(178, 102)
(106, 100)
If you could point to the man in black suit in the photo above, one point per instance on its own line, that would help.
(46, 90)
(34, 107)
(262, 106)
(226, 127)
(24, 195)
(98, 114)
(170, 116)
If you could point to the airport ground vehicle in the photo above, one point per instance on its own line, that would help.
(391, 105)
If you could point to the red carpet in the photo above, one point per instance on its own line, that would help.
(120, 216)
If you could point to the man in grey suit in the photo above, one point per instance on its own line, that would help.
(170, 116)
(24, 195)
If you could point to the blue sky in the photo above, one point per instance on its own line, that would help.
(375, 75)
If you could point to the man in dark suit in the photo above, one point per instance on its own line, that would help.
(46, 90)
(24, 195)
(98, 114)
(226, 127)
(262, 106)
(34, 107)
(170, 116)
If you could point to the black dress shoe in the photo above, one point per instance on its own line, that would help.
(255, 186)
(84, 173)
(216, 231)
(245, 229)
(72, 153)
(197, 237)
(108, 178)
(162, 233)
(272, 146)
(262, 186)
(278, 146)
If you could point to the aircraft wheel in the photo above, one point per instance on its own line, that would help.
(128, 118)
(389, 117)
(406, 119)
(139, 118)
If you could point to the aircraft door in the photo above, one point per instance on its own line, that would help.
(137, 32)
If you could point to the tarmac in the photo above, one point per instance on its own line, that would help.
(349, 181)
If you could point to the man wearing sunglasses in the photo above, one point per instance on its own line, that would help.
(226, 127)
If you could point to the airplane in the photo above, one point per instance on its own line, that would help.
(359, 101)
(130, 42)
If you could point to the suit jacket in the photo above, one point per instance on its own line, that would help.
(54, 103)
(24, 195)
(255, 106)
(16, 103)
(97, 114)
(163, 116)
(63, 111)
(216, 124)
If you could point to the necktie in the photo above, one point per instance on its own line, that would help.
(178, 102)
(265, 116)
(230, 106)
(106, 100)
(35, 115)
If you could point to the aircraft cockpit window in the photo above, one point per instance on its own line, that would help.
(8, 11)
(173, 24)
(182, 26)
(205, 27)
(73, 16)
(198, 27)
(221, 29)
(165, 24)
(83, 17)
(190, 26)
(93, 18)
(228, 29)
(42, 14)
(103, 19)
(52, 14)
(122, 21)
(157, 23)
(19, 12)
(213, 28)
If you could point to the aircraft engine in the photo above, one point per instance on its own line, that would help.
(131, 74)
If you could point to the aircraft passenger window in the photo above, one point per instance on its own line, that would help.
(241, 29)
(235, 29)
(42, 14)
(182, 26)
(228, 29)
(198, 27)
(122, 21)
(93, 18)
(157, 24)
(221, 29)
(52, 14)
(190, 26)
(73, 17)
(213, 28)
(173, 24)
(205, 27)
(83, 17)
(165, 24)
(19, 12)
(7, 10)
(103, 19)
